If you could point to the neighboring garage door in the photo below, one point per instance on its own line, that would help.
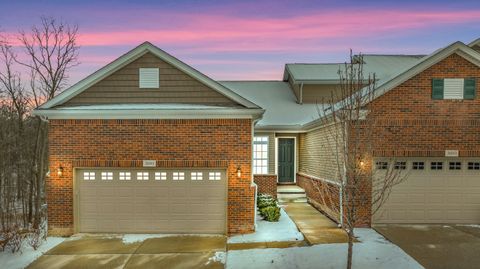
(150, 200)
(441, 190)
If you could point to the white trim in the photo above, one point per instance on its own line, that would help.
(474, 42)
(130, 57)
(150, 113)
(294, 156)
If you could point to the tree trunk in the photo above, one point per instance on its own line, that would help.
(350, 249)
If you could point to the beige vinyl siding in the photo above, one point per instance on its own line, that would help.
(320, 93)
(122, 87)
(317, 153)
(271, 151)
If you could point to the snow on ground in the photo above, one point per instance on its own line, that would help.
(27, 255)
(372, 252)
(470, 225)
(219, 256)
(283, 230)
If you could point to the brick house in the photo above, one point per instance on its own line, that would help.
(147, 144)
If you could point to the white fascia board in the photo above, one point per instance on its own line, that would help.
(130, 57)
(150, 114)
(474, 42)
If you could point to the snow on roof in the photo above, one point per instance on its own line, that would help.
(278, 100)
(142, 107)
(384, 67)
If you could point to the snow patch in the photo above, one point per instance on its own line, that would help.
(27, 255)
(471, 225)
(373, 251)
(283, 230)
(219, 256)
(135, 238)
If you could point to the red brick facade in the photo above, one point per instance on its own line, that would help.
(266, 184)
(216, 143)
(409, 123)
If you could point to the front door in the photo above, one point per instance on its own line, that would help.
(286, 160)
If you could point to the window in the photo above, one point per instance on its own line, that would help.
(418, 165)
(88, 175)
(260, 155)
(124, 176)
(473, 165)
(142, 175)
(107, 175)
(196, 175)
(400, 165)
(436, 165)
(148, 78)
(160, 175)
(454, 165)
(214, 175)
(178, 176)
(381, 165)
(453, 88)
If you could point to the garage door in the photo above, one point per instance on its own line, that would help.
(150, 200)
(435, 191)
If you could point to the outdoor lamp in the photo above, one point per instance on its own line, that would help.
(362, 164)
(239, 172)
(60, 171)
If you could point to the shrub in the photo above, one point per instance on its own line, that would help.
(265, 200)
(270, 213)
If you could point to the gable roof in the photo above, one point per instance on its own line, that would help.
(424, 63)
(130, 57)
(384, 66)
(475, 42)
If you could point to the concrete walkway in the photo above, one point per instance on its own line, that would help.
(163, 252)
(315, 227)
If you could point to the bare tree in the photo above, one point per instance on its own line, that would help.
(49, 51)
(351, 129)
(52, 51)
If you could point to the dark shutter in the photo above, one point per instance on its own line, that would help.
(469, 88)
(437, 89)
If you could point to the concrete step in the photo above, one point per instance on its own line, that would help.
(291, 195)
(286, 189)
(294, 200)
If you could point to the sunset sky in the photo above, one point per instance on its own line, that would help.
(237, 40)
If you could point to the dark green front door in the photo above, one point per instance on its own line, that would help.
(286, 160)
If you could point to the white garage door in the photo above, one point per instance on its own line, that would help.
(443, 190)
(150, 200)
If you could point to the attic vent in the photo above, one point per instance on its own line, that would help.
(148, 78)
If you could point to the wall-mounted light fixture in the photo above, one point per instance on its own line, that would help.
(59, 171)
(239, 172)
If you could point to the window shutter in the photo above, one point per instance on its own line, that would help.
(469, 89)
(437, 89)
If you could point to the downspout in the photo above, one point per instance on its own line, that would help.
(301, 93)
(252, 179)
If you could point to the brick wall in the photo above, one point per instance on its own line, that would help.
(409, 123)
(173, 143)
(266, 184)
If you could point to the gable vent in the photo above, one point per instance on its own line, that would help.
(453, 88)
(148, 78)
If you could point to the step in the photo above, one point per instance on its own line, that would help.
(291, 195)
(290, 189)
(294, 200)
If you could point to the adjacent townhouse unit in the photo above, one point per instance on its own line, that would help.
(148, 144)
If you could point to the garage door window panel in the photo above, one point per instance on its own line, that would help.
(178, 176)
(418, 165)
(400, 165)
(196, 176)
(454, 165)
(124, 176)
(214, 176)
(142, 176)
(88, 175)
(107, 175)
(381, 165)
(436, 166)
(473, 165)
(161, 176)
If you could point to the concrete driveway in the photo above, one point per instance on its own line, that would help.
(437, 246)
(114, 252)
